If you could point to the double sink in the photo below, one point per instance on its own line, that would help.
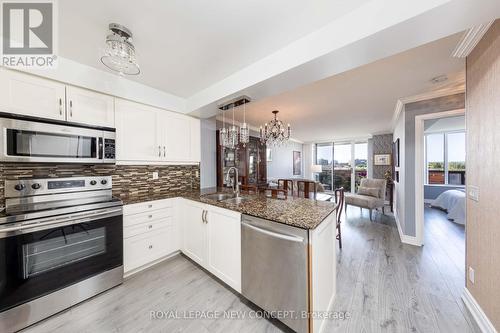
(226, 197)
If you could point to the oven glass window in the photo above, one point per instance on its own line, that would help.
(39, 144)
(48, 254)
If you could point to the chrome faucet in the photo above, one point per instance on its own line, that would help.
(236, 185)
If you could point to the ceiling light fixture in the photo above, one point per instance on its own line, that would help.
(119, 54)
(275, 134)
(233, 135)
(244, 129)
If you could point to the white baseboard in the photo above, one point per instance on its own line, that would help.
(479, 316)
(411, 240)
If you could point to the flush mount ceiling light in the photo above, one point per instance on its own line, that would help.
(275, 133)
(119, 54)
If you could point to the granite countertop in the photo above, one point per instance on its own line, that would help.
(297, 212)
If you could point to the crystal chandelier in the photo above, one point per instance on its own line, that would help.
(228, 136)
(275, 133)
(232, 135)
(119, 54)
(244, 129)
(223, 133)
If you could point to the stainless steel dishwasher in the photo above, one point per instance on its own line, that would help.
(274, 260)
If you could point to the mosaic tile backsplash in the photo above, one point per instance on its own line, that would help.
(128, 180)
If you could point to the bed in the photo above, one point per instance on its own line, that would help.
(453, 202)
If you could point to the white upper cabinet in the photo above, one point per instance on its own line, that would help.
(30, 95)
(177, 136)
(88, 107)
(137, 132)
(148, 134)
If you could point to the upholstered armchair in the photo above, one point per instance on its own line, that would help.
(370, 195)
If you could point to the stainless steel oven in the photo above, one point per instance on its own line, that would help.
(36, 141)
(61, 241)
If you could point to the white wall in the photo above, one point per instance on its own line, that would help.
(281, 165)
(208, 165)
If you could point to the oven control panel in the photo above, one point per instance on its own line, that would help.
(56, 184)
(29, 187)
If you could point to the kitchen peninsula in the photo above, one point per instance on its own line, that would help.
(296, 237)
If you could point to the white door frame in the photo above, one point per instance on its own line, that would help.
(420, 167)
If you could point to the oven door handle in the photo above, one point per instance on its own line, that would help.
(6, 231)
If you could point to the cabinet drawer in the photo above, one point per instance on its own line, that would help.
(143, 249)
(149, 226)
(153, 215)
(147, 206)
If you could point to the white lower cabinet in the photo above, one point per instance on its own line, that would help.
(224, 245)
(209, 235)
(150, 232)
(212, 238)
(194, 231)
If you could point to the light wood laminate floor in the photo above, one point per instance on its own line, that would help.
(384, 285)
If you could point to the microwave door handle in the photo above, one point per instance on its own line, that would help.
(274, 234)
(101, 148)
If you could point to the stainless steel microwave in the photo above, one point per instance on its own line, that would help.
(36, 141)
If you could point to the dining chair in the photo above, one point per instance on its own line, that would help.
(286, 184)
(339, 200)
(275, 192)
(250, 189)
(305, 188)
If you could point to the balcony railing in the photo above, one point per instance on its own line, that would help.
(455, 177)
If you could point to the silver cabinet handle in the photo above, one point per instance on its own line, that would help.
(150, 206)
(203, 216)
(150, 247)
(60, 106)
(159, 151)
(71, 108)
(150, 216)
(150, 226)
(164, 151)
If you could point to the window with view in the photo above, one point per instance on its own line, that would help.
(360, 162)
(445, 156)
(324, 157)
(337, 161)
(342, 171)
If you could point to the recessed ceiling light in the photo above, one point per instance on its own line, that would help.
(439, 79)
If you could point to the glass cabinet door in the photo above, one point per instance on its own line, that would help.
(262, 177)
(253, 157)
